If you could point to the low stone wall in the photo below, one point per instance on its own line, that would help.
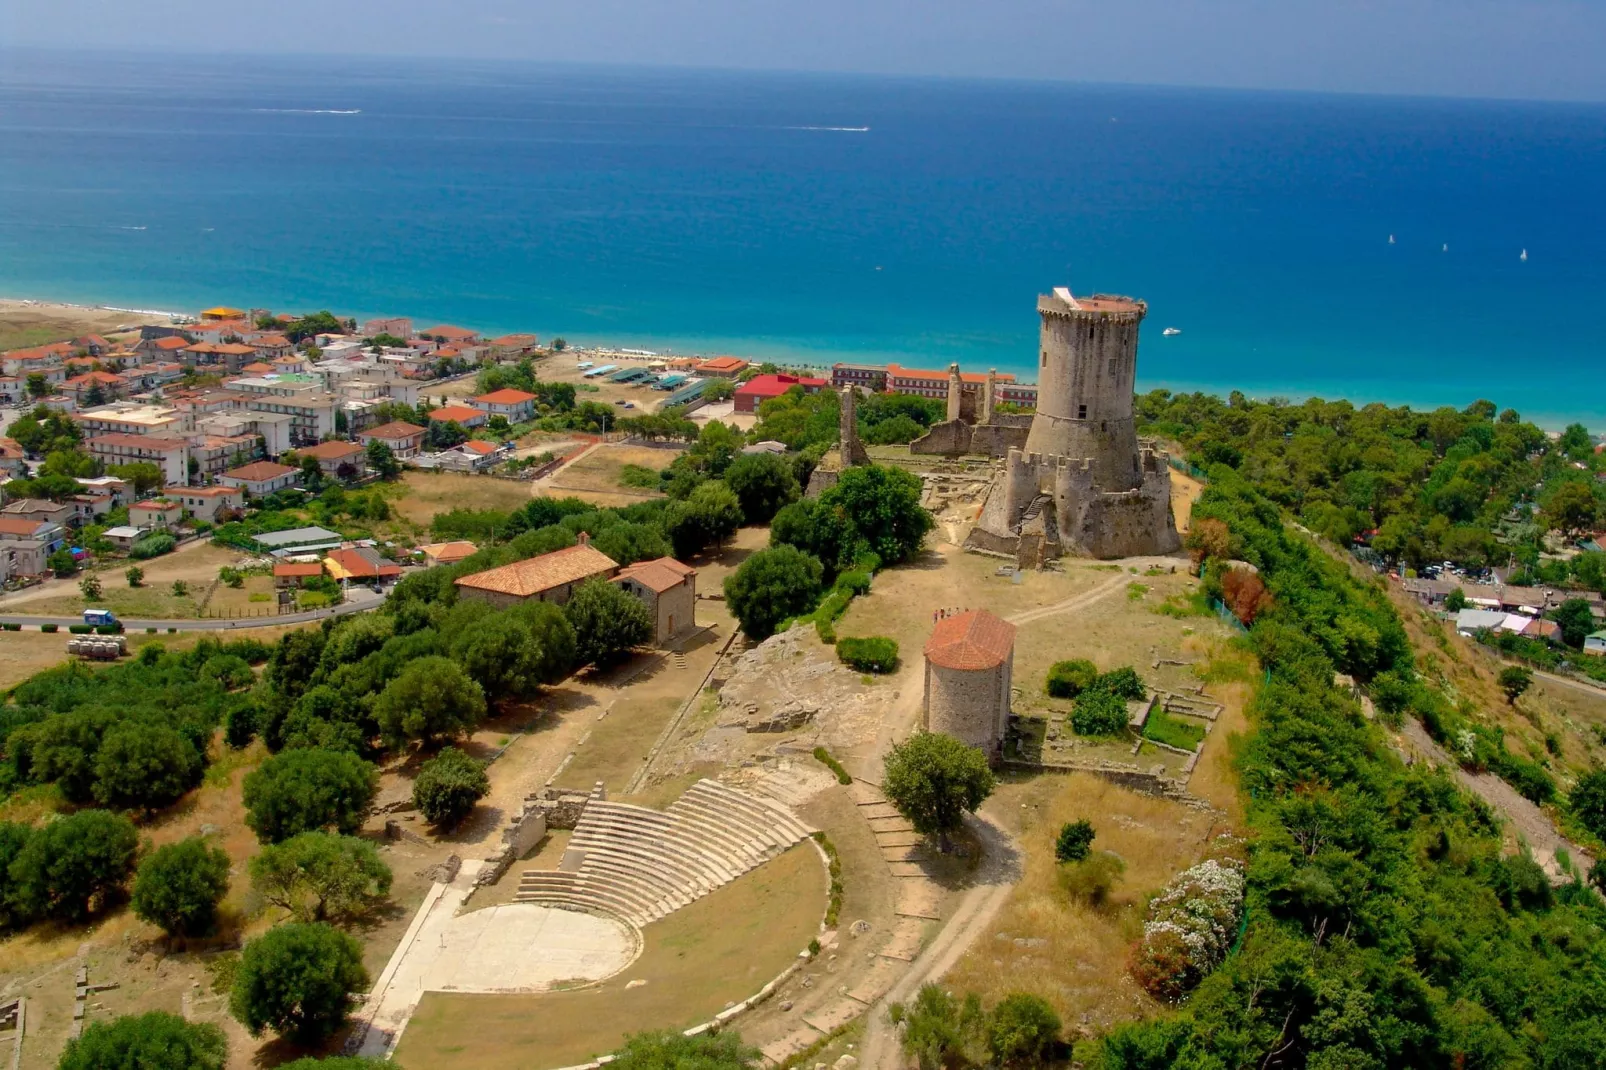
(550, 808)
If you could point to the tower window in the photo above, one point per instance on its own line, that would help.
(1112, 366)
(1081, 412)
(1045, 358)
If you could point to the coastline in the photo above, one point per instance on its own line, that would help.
(817, 360)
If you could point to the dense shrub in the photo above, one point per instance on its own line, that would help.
(1074, 840)
(153, 1041)
(1099, 713)
(1022, 1029)
(771, 586)
(1091, 879)
(448, 786)
(152, 546)
(1068, 679)
(73, 866)
(1190, 926)
(869, 654)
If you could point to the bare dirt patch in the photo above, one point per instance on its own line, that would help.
(717, 950)
(32, 323)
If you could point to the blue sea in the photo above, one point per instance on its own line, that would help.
(815, 218)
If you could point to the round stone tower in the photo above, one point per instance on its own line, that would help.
(1087, 361)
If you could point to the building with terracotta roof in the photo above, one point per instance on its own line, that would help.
(82, 387)
(171, 455)
(403, 438)
(12, 465)
(759, 389)
(155, 513)
(448, 553)
(970, 659)
(360, 564)
(295, 573)
(549, 578)
(512, 346)
(343, 460)
(723, 367)
(446, 331)
(222, 312)
(205, 503)
(669, 591)
(261, 478)
(516, 405)
(459, 414)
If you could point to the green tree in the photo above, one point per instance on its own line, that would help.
(38, 385)
(668, 1049)
(179, 886)
(73, 865)
(719, 390)
(1570, 509)
(608, 622)
(90, 586)
(62, 563)
(1514, 680)
(144, 475)
(307, 790)
(1074, 841)
(382, 460)
(1022, 1029)
(312, 477)
(1455, 601)
(1588, 799)
(134, 575)
(933, 780)
(1576, 621)
(770, 586)
(883, 505)
(144, 766)
(153, 1041)
(448, 786)
(14, 836)
(763, 484)
(709, 515)
(512, 654)
(559, 345)
(318, 876)
(297, 979)
(432, 697)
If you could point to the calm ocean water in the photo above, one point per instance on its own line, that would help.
(829, 217)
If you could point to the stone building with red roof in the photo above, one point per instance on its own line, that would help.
(970, 659)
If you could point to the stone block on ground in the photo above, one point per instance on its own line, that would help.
(778, 1051)
(875, 984)
(906, 869)
(835, 1014)
(918, 899)
(904, 943)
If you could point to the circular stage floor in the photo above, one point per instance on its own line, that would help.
(526, 947)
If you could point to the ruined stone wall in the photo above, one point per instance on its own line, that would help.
(953, 438)
(519, 837)
(1123, 523)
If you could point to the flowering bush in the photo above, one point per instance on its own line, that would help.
(1190, 928)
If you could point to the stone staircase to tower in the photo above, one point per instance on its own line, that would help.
(642, 864)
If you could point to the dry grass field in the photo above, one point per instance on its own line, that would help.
(1074, 954)
(423, 494)
(717, 950)
(26, 652)
(595, 477)
(32, 324)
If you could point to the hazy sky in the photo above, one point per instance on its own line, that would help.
(1553, 49)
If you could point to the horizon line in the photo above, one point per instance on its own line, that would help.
(153, 51)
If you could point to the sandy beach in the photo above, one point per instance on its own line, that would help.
(29, 323)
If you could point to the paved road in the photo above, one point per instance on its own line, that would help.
(360, 600)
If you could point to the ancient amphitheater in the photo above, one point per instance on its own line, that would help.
(641, 864)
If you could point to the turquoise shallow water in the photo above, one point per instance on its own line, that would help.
(823, 217)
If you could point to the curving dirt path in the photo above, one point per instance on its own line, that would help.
(999, 872)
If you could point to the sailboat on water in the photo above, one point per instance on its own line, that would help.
(1391, 239)
(1524, 256)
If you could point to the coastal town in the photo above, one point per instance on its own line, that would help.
(397, 694)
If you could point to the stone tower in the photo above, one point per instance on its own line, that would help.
(1083, 484)
(1087, 364)
(848, 430)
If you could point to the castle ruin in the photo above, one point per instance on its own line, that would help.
(1081, 482)
(849, 450)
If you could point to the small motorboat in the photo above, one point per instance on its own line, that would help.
(1524, 256)
(1169, 331)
